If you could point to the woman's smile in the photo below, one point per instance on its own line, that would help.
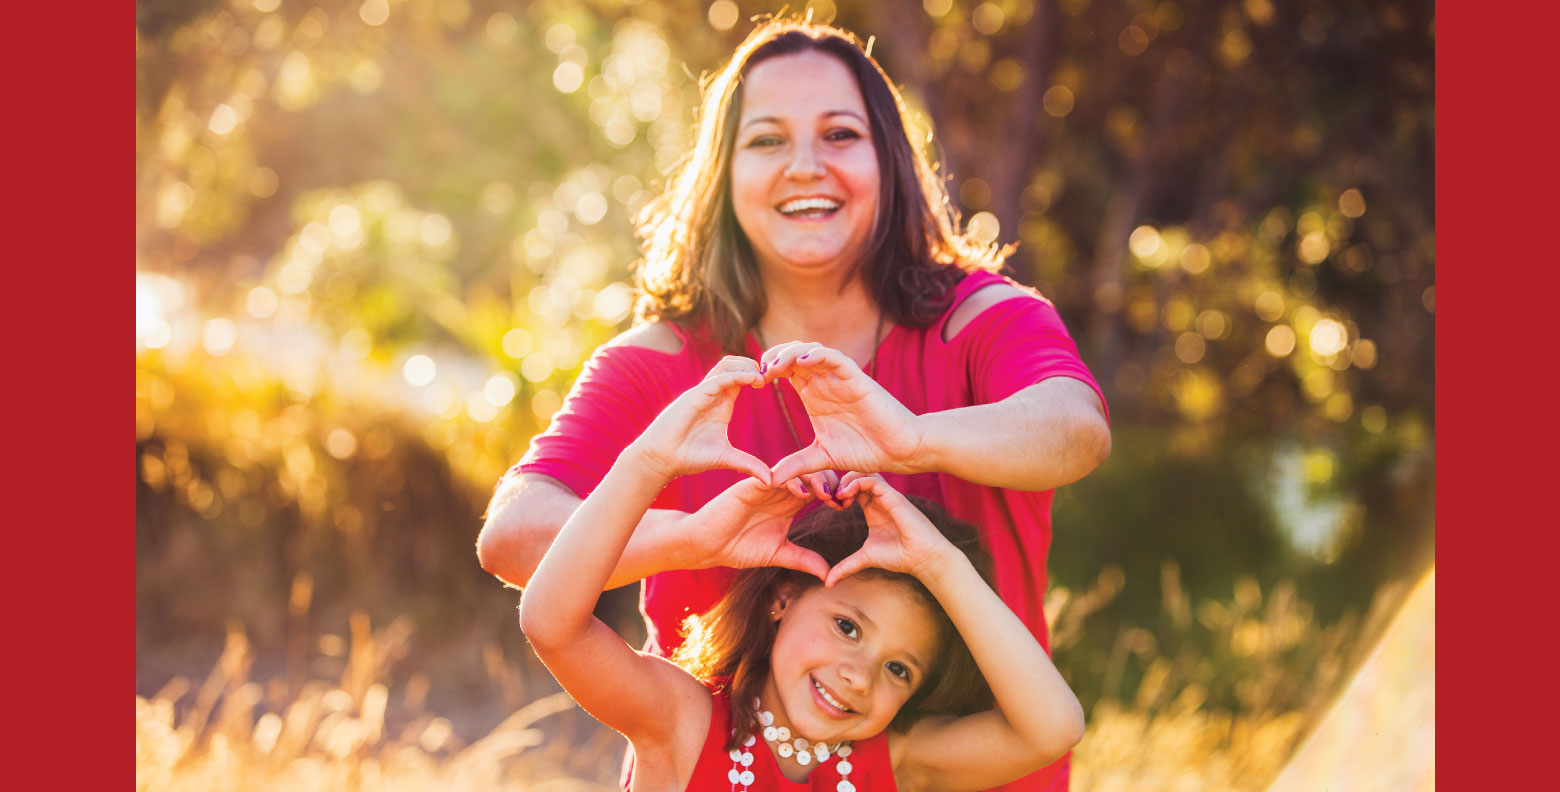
(804, 169)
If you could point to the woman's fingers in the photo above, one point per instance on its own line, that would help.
(778, 361)
(795, 487)
(808, 460)
(743, 462)
(824, 484)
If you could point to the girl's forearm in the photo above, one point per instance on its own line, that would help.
(1032, 696)
(561, 596)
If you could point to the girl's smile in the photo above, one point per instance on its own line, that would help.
(846, 659)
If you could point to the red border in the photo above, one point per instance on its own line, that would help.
(1497, 211)
(68, 534)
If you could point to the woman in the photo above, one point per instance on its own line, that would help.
(805, 222)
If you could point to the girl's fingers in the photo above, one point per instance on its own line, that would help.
(851, 483)
(850, 565)
(793, 556)
(784, 360)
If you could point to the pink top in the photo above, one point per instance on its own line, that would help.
(1009, 346)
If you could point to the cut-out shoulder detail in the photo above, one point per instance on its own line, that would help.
(976, 304)
(654, 335)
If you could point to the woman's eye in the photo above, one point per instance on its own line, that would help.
(764, 141)
(847, 627)
(843, 134)
(899, 670)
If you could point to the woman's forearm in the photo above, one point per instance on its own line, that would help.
(529, 510)
(1045, 436)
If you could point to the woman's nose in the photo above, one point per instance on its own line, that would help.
(805, 163)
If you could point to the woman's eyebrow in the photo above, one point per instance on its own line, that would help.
(769, 119)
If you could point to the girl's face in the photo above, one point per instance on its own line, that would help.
(804, 170)
(846, 659)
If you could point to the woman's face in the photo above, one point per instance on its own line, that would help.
(804, 169)
(846, 659)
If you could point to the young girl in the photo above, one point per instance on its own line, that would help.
(814, 676)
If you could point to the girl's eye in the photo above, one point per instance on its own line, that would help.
(847, 627)
(842, 134)
(764, 141)
(899, 670)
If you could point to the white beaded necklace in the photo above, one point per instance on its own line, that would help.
(787, 746)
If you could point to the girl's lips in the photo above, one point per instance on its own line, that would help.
(823, 703)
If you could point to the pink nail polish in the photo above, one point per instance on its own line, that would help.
(804, 357)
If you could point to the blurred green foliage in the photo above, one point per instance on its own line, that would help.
(376, 240)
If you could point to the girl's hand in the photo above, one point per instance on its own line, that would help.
(689, 436)
(745, 527)
(899, 537)
(857, 425)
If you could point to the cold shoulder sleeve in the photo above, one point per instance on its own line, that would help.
(618, 393)
(1016, 343)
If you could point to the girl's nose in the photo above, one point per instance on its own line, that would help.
(854, 678)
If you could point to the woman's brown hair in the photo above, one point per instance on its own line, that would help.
(728, 647)
(698, 268)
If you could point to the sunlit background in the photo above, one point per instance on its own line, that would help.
(376, 239)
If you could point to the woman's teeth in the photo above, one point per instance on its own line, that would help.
(801, 205)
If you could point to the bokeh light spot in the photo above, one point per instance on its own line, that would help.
(1328, 338)
(1195, 259)
(340, 443)
(500, 388)
(723, 15)
(984, 227)
(219, 336)
(1365, 354)
(434, 229)
(374, 12)
(1190, 347)
(500, 28)
(1351, 203)
(261, 302)
(1145, 243)
(545, 403)
(1058, 101)
(1318, 467)
(1314, 247)
(419, 370)
(988, 18)
(223, 119)
(1280, 341)
(1373, 419)
(568, 77)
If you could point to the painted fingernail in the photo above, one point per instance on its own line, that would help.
(804, 357)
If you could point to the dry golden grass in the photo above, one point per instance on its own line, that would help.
(233, 733)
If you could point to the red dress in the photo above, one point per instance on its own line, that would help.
(870, 767)
(1009, 346)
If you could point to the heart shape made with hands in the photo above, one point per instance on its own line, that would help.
(857, 424)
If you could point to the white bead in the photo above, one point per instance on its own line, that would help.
(771, 733)
(746, 779)
(733, 775)
(746, 758)
(845, 786)
(785, 750)
(804, 758)
(802, 744)
(766, 718)
(844, 751)
(736, 754)
(821, 751)
(844, 767)
(781, 733)
(749, 741)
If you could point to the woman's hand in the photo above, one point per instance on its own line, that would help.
(745, 527)
(689, 436)
(899, 537)
(857, 425)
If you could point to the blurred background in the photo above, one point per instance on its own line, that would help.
(376, 239)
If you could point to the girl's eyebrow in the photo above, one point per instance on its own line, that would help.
(776, 119)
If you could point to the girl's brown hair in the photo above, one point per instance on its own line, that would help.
(728, 648)
(698, 268)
